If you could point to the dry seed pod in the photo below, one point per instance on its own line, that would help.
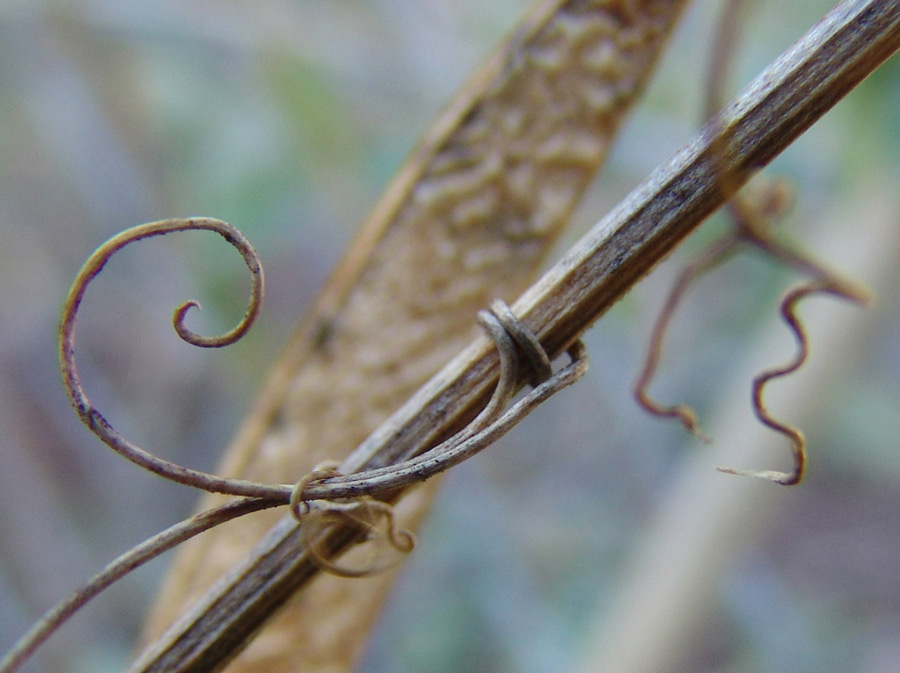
(469, 217)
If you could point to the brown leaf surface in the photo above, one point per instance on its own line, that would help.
(470, 217)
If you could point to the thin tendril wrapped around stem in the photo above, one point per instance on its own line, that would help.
(357, 507)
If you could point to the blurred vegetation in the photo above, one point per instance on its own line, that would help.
(287, 118)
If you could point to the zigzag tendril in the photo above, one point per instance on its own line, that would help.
(792, 433)
(752, 228)
(753, 218)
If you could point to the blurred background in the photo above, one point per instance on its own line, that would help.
(592, 537)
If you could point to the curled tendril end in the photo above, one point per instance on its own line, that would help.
(688, 418)
(94, 420)
(184, 332)
(362, 513)
(683, 413)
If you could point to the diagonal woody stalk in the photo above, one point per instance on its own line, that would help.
(840, 51)
(469, 218)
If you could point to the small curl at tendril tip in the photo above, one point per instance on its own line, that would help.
(363, 513)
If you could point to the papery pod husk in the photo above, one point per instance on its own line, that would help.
(469, 218)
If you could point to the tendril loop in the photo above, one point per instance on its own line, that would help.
(363, 514)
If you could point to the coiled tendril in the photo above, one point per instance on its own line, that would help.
(94, 420)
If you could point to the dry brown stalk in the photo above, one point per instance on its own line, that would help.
(784, 100)
(470, 217)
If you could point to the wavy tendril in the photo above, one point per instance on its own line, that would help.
(792, 433)
(752, 220)
(717, 253)
(94, 420)
(752, 217)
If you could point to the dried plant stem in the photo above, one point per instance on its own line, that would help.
(783, 101)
